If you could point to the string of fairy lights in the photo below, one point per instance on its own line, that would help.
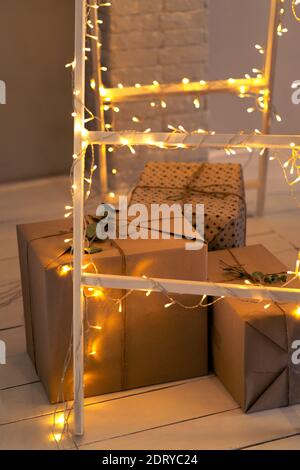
(290, 168)
(294, 5)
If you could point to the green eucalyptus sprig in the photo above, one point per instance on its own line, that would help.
(256, 277)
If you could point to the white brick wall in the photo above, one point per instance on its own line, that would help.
(146, 40)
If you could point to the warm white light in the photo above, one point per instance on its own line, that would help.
(196, 103)
(169, 304)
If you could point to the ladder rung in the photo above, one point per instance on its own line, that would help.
(134, 93)
(182, 140)
(190, 287)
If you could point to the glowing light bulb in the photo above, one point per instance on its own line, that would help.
(297, 311)
(71, 64)
(84, 133)
(185, 81)
(57, 436)
(59, 419)
(98, 294)
(169, 304)
(64, 270)
(196, 103)
(97, 327)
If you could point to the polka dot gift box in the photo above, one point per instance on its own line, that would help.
(219, 186)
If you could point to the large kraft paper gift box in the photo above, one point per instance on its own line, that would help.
(251, 345)
(219, 186)
(142, 345)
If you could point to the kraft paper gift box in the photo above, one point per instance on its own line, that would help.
(219, 186)
(142, 345)
(252, 346)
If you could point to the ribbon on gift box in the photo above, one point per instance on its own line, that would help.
(57, 258)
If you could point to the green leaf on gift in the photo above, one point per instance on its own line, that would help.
(239, 272)
(92, 250)
(91, 231)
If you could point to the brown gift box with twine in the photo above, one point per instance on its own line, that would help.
(144, 344)
(219, 186)
(252, 347)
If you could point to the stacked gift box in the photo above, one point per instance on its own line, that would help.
(134, 340)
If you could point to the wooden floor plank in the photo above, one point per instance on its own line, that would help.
(11, 315)
(30, 400)
(231, 430)
(18, 371)
(288, 443)
(40, 198)
(15, 341)
(131, 414)
(273, 242)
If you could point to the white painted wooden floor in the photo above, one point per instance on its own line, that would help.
(193, 414)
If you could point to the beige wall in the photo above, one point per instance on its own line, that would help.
(235, 26)
(36, 41)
